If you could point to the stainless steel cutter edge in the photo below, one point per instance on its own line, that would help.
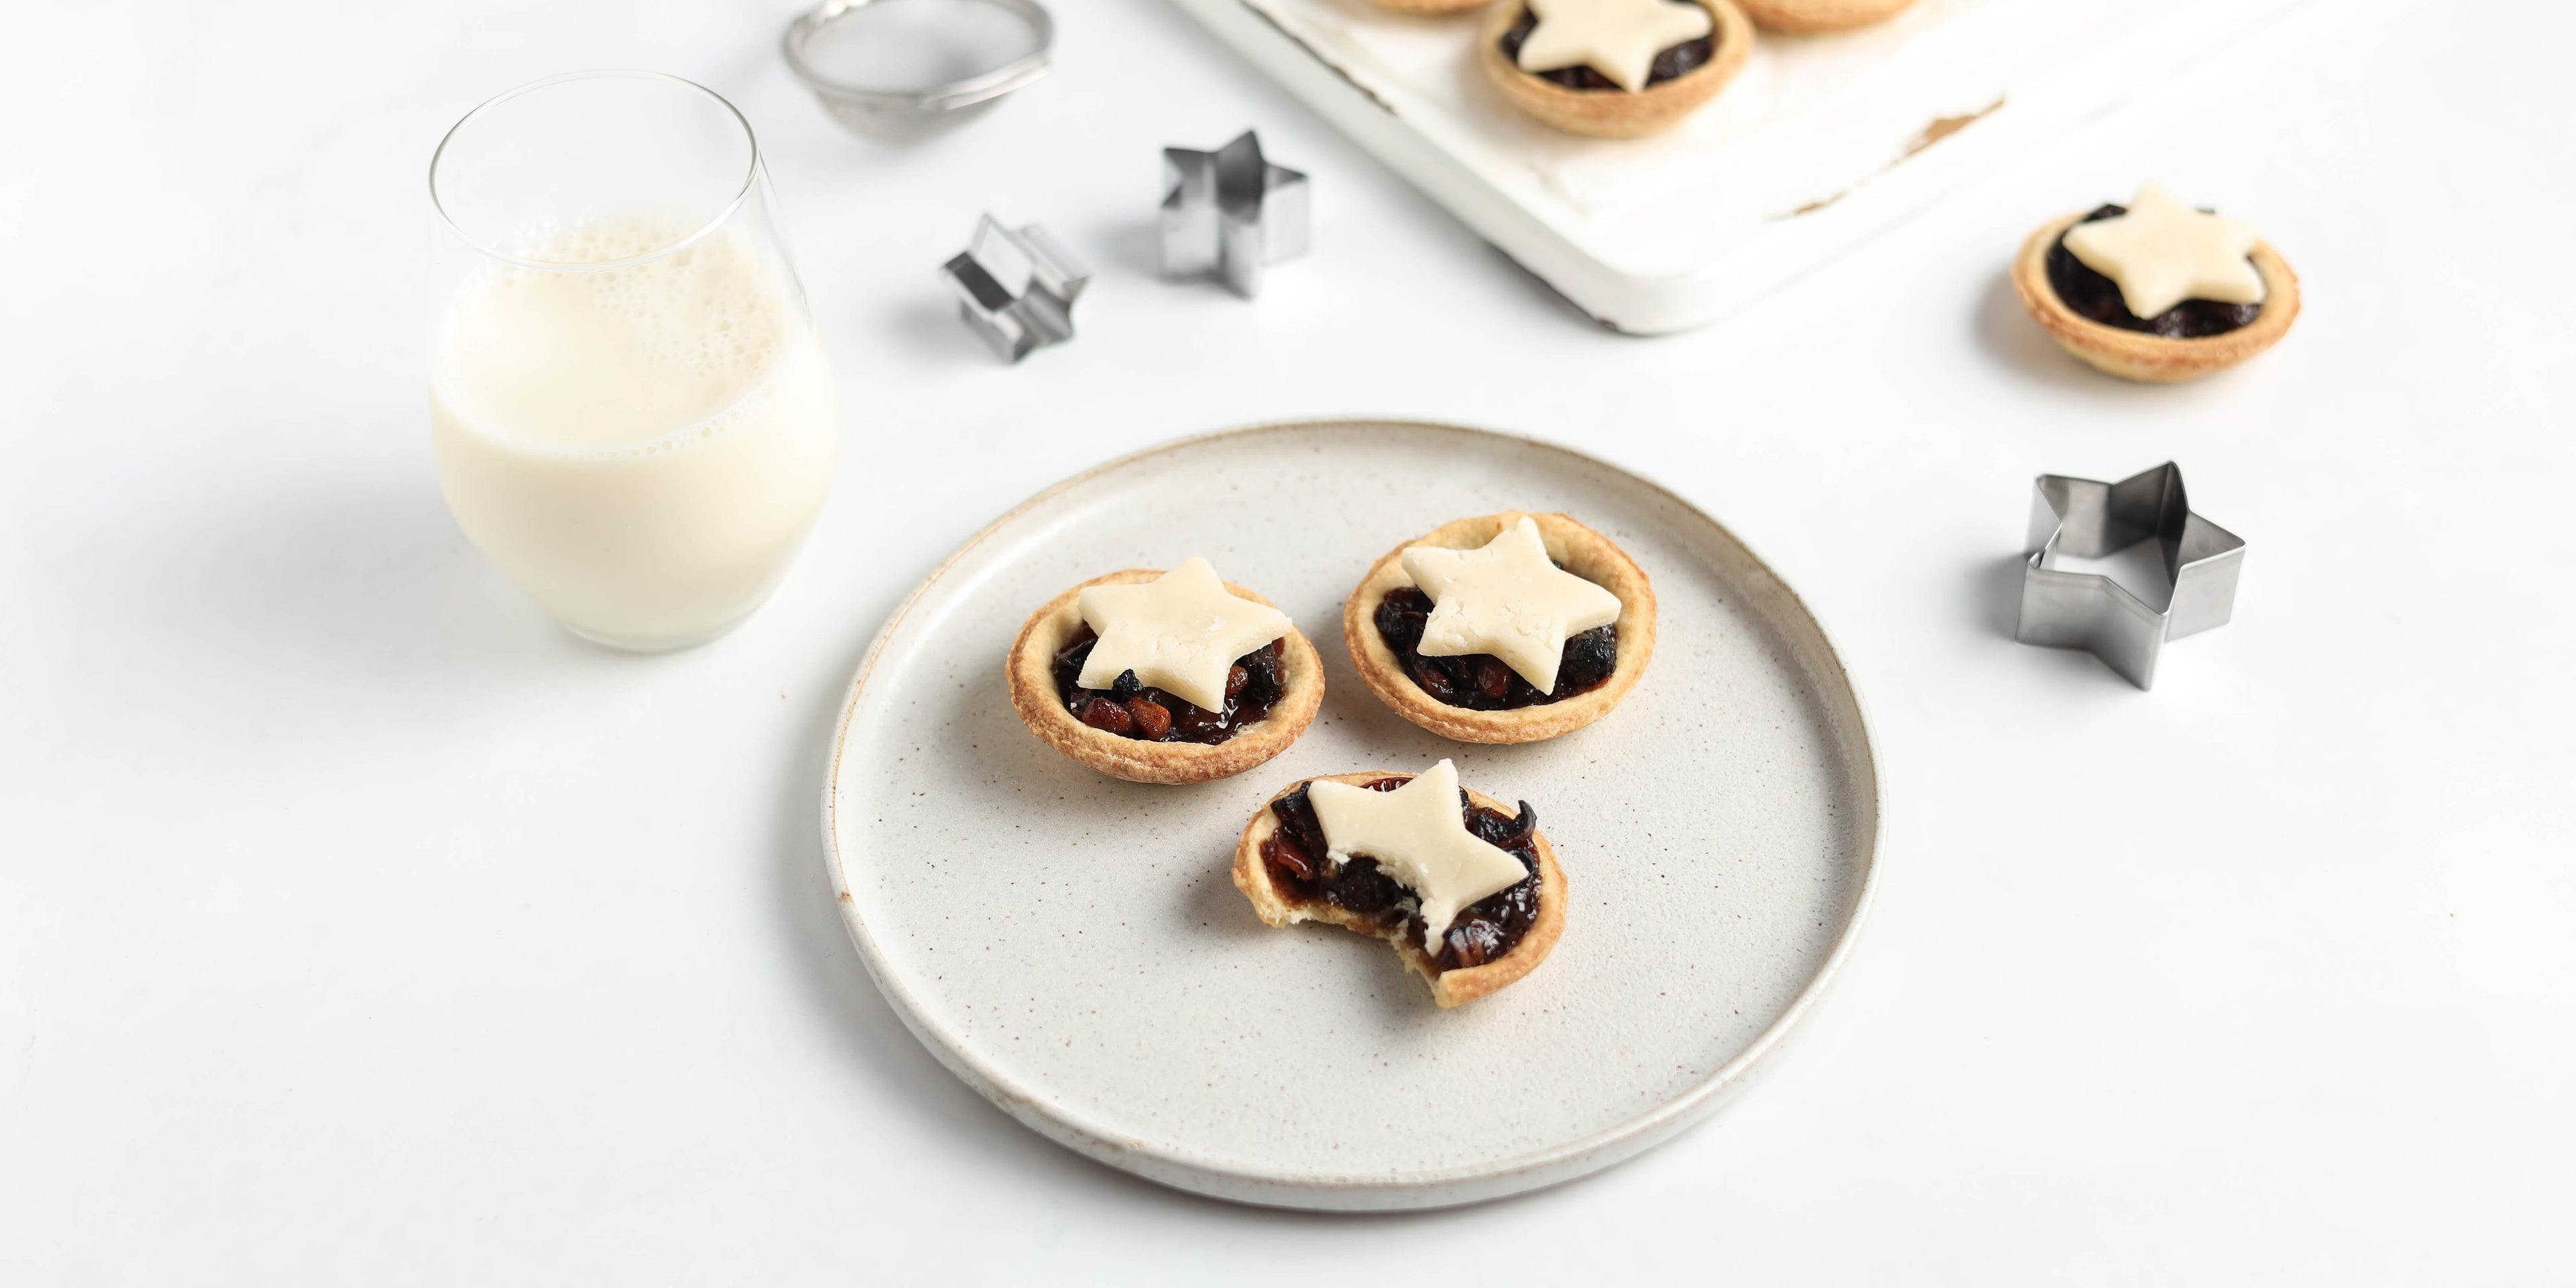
(2087, 518)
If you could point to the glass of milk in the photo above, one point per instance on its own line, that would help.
(632, 416)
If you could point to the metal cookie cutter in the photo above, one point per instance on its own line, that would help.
(899, 70)
(2089, 520)
(1016, 287)
(1229, 212)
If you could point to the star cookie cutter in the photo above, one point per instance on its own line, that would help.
(1016, 287)
(1229, 213)
(2089, 520)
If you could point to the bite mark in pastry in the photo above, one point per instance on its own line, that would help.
(1158, 677)
(1449, 630)
(1468, 892)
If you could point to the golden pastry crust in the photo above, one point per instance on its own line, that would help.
(1616, 113)
(1448, 988)
(1030, 669)
(1804, 16)
(2136, 355)
(1428, 6)
(1585, 553)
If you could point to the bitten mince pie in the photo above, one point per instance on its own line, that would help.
(1512, 627)
(1821, 15)
(1164, 677)
(1467, 891)
(2156, 290)
(1614, 69)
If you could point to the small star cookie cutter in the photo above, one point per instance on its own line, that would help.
(1229, 213)
(1016, 287)
(2088, 519)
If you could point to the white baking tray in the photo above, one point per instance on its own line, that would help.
(1820, 144)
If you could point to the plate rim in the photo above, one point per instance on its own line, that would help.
(1402, 1190)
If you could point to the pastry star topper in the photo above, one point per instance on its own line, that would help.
(1618, 38)
(1179, 633)
(1418, 835)
(1507, 599)
(2163, 252)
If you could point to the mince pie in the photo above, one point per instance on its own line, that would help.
(1511, 627)
(1164, 677)
(1613, 69)
(2156, 290)
(1802, 16)
(1466, 889)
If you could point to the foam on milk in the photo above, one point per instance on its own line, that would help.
(631, 358)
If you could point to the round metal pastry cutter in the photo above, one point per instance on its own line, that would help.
(898, 70)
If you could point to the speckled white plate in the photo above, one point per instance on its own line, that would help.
(1071, 946)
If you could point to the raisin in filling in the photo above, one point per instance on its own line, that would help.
(1484, 930)
(1147, 714)
(1481, 681)
(2092, 295)
(1671, 63)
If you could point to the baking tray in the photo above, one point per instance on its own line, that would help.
(1822, 142)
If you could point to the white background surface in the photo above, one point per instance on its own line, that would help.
(358, 926)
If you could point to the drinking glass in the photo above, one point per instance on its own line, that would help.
(632, 415)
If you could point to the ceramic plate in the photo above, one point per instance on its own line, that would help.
(1071, 945)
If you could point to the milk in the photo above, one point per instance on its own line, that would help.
(639, 448)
